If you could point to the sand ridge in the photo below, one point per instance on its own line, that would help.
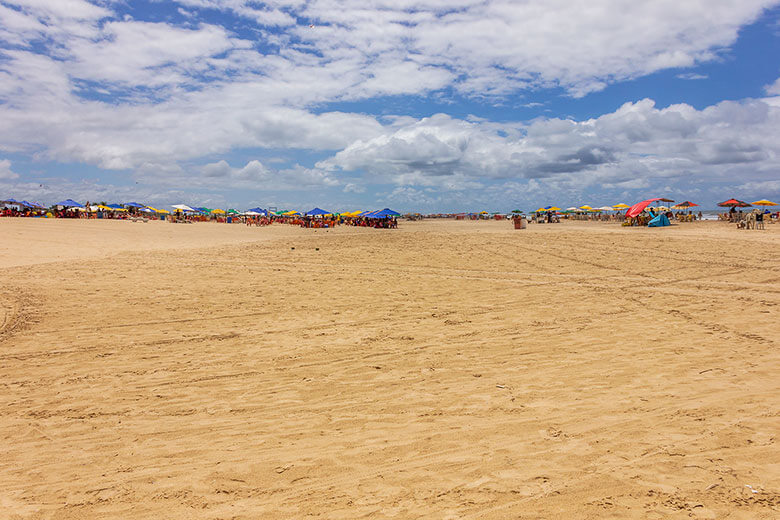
(443, 370)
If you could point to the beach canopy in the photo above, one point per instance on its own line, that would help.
(639, 207)
(683, 205)
(621, 206)
(134, 205)
(764, 202)
(183, 207)
(70, 203)
(733, 203)
(31, 204)
(387, 212)
(10, 201)
(317, 212)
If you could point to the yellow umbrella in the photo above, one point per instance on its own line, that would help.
(540, 210)
(553, 208)
(586, 207)
(291, 212)
(764, 202)
(621, 206)
(218, 211)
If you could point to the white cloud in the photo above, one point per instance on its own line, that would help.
(621, 149)
(774, 88)
(5, 170)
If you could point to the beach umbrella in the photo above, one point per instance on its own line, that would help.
(70, 203)
(317, 212)
(572, 209)
(232, 211)
(134, 205)
(218, 211)
(10, 201)
(585, 207)
(684, 205)
(621, 206)
(552, 208)
(639, 207)
(763, 203)
(733, 203)
(183, 207)
(606, 208)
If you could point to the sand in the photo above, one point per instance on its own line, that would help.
(441, 370)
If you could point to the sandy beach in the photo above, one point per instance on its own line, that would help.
(442, 370)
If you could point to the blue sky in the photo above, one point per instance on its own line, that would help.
(429, 105)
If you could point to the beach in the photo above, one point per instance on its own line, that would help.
(446, 369)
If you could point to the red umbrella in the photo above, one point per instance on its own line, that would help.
(734, 203)
(686, 204)
(639, 207)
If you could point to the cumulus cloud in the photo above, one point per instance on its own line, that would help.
(5, 170)
(637, 141)
(84, 82)
(254, 175)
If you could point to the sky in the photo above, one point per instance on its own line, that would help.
(425, 105)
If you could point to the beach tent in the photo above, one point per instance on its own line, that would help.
(317, 212)
(387, 212)
(182, 207)
(733, 203)
(10, 201)
(70, 203)
(659, 221)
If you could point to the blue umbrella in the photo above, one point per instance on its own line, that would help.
(317, 211)
(115, 206)
(259, 210)
(70, 203)
(11, 201)
(134, 205)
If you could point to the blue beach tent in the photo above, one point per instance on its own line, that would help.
(659, 221)
(317, 211)
(70, 203)
(384, 213)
